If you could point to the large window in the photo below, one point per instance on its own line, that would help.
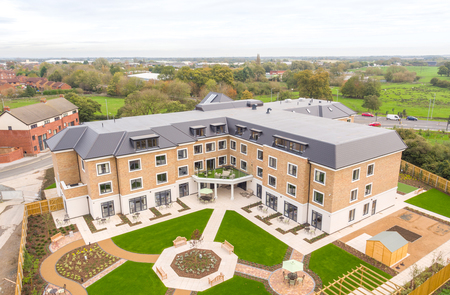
(368, 190)
(290, 211)
(103, 168)
(222, 144)
(145, 144)
(184, 190)
(136, 183)
(260, 155)
(222, 160)
(351, 215)
(233, 160)
(198, 131)
(291, 189)
(161, 178)
(160, 160)
(318, 197)
(107, 209)
(163, 198)
(289, 144)
(355, 175)
(319, 176)
(370, 169)
(198, 149)
(135, 165)
(233, 145)
(354, 195)
(198, 166)
(210, 147)
(243, 165)
(243, 149)
(219, 129)
(272, 181)
(182, 154)
(259, 172)
(138, 204)
(105, 188)
(271, 201)
(272, 162)
(292, 170)
(183, 171)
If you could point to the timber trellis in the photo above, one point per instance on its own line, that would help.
(433, 283)
(364, 280)
(425, 176)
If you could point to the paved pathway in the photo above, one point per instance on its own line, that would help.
(111, 248)
(182, 292)
(48, 270)
(253, 271)
(213, 225)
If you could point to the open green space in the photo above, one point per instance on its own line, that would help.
(154, 239)
(331, 262)
(432, 200)
(114, 104)
(237, 285)
(129, 278)
(250, 242)
(51, 186)
(435, 136)
(406, 189)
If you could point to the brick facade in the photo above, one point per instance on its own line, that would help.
(10, 154)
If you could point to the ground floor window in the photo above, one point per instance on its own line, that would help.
(138, 204)
(366, 209)
(271, 201)
(107, 209)
(163, 198)
(316, 220)
(290, 211)
(374, 207)
(184, 190)
(259, 191)
(351, 215)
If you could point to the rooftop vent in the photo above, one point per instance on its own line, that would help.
(6, 109)
(268, 111)
(254, 107)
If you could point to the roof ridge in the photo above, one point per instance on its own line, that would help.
(120, 142)
(98, 135)
(76, 143)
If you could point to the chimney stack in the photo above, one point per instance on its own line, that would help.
(43, 100)
(6, 109)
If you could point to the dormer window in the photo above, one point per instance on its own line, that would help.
(255, 134)
(145, 142)
(218, 128)
(198, 131)
(240, 130)
(289, 144)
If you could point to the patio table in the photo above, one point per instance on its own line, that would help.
(103, 220)
(280, 219)
(292, 276)
(260, 207)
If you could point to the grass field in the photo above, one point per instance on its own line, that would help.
(250, 242)
(425, 73)
(237, 285)
(435, 136)
(130, 278)
(114, 104)
(331, 262)
(406, 189)
(432, 200)
(154, 239)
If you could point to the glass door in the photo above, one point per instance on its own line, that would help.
(374, 207)
(184, 190)
(107, 209)
(259, 191)
(316, 220)
(211, 164)
(41, 143)
(138, 204)
(163, 198)
(290, 211)
(271, 201)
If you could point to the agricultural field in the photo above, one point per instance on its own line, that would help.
(425, 73)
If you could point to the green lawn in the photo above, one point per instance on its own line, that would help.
(331, 262)
(154, 239)
(250, 242)
(237, 285)
(406, 189)
(432, 200)
(51, 186)
(129, 278)
(113, 104)
(435, 136)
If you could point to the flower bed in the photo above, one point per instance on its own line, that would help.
(157, 213)
(126, 220)
(315, 239)
(85, 262)
(196, 263)
(89, 221)
(185, 207)
(247, 208)
(293, 230)
(267, 219)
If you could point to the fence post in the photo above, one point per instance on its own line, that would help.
(40, 207)
(437, 178)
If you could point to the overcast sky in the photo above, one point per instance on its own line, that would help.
(209, 28)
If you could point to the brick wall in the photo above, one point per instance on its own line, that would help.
(17, 138)
(12, 155)
(66, 168)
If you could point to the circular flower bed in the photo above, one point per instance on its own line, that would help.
(196, 263)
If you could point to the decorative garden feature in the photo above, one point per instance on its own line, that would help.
(196, 263)
(84, 263)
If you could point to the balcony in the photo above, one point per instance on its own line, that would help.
(222, 175)
(74, 190)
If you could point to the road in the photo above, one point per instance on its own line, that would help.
(421, 124)
(26, 165)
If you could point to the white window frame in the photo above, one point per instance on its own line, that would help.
(240, 165)
(268, 181)
(324, 179)
(246, 149)
(371, 189)
(96, 168)
(296, 170)
(201, 145)
(368, 209)
(287, 189)
(354, 215)
(231, 145)
(323, 194)
(218, 160)
(165, 155)
(135, 189)
(257, 168)
(187, 154)
(359, 174)
(182, 167)
(213, 142)
(112, 188)
(218, 145)
(257, 151)
(235, 160)
(140, 165)
(203, 165)
(167, 178)
(373, 170)
(351, 201)
(276, 162)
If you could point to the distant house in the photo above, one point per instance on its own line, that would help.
(431, 63)
(5, 86)
(42, 84)
(28, 127)
(5, 74)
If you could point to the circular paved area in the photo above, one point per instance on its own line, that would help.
(282, 287)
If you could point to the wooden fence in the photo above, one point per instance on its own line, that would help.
(433, 283)
(425, 176)
(45, 206)
(23, 241)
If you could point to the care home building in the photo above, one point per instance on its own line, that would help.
(301, 158)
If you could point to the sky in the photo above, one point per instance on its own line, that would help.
(208, 28)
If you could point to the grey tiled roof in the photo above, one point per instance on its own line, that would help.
(391, 239)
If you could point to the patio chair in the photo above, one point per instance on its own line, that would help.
(58, 222)
(286, 278)
(291, 282)
(107, 219)
(312, 232)
(98, 220)
(232, 176)
(286, 221)
(265, 210)
(300, 279)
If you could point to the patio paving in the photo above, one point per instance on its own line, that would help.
(282, 287)
(55, 246)
(253, 271)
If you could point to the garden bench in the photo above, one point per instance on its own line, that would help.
(57, 237)
(228, 247)
(161, 273)
(179, 241)
(220, 278)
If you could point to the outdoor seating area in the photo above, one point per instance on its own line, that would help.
(225, 172)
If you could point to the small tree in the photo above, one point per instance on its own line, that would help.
(372, 102)
(246, 95)
(196, 239)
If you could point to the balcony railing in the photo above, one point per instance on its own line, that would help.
(224, 172)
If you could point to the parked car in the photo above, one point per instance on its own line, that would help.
(367, 115)
(375, 124)
(392, 117)
(411, 118)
